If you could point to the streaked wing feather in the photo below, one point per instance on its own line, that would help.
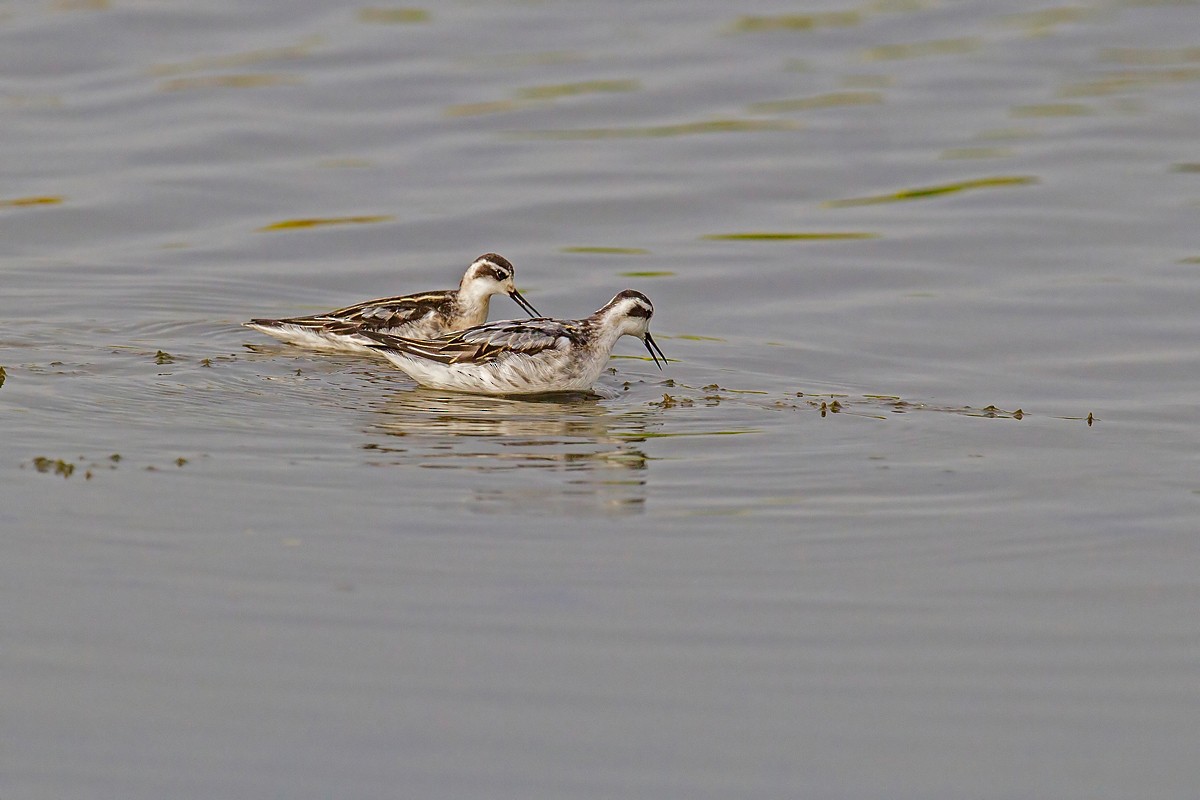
(530, 336)
(481, 343)
(388, 312)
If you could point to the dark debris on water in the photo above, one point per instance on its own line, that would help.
(874, 406)
(65, 468)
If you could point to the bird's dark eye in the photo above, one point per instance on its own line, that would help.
(640, 310)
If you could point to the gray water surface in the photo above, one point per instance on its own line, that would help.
(912, 512)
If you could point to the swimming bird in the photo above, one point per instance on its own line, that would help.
(417, 316)
(532, 356)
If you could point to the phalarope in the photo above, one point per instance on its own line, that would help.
(417, 316)
(532, 356)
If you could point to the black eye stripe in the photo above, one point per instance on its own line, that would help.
(639, 310)
(494, 266)
(494, 272)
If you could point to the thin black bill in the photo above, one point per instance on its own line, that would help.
(525, 305)
(652, 345)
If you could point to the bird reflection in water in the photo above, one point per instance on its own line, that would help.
(557, 453)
